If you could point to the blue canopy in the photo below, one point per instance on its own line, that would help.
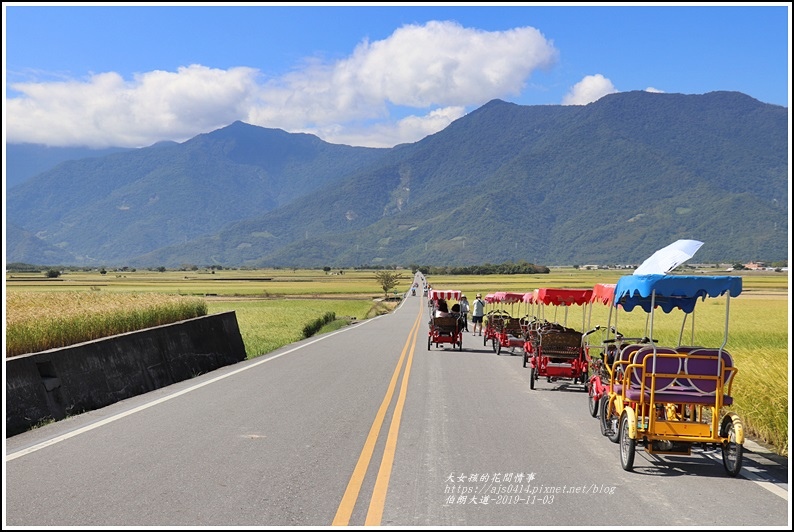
(672, 291)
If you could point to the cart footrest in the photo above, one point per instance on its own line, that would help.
(550, 353)
(669, 447)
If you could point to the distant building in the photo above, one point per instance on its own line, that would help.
(755, 265)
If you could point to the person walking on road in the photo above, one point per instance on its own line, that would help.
(477, 313)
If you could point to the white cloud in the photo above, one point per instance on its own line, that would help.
(590, 89)
(105, 110)
(430, 73)
(444, 63)
(652, 89)
(386, 134)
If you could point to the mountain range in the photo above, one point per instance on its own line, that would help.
(606, 183)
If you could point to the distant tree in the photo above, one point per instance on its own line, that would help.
(103, 271)
(387, 280)
(161, 268)
(326, 269)
(52, 273)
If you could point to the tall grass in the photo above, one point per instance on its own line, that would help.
(37, 321)
(759, 345)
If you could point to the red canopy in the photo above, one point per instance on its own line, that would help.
(447, 295)
(489, 298)
(564, 296)
(603, 293)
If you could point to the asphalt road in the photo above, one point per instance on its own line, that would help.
(366, 426)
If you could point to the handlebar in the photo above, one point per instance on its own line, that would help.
(617, 333)
(643, 340)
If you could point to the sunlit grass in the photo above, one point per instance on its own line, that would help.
(254, 283)
(267, 325)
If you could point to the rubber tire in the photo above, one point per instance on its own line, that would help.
(460, 344)
(602, 414)
(628, 446)
(498, 346)
(732, 452)
(493, 344)
(592, 402)
(606, 424)
(525, 359)
(429, 341)
(532, 378)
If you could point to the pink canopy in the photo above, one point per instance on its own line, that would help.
(529, 297)
(564, 296)
(507, 297)
(489, 298)
(603, 293)
(447, 295)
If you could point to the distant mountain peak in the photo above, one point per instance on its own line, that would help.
(604, 183)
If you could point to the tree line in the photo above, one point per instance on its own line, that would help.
(506, 268)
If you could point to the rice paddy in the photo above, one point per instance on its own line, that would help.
(274, 306)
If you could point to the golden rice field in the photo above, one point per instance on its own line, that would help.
(78, 306)
(37, 321)
(273, 306)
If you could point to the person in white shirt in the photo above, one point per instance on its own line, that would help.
(477, 313)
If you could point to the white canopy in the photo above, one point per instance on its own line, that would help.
(669, 257)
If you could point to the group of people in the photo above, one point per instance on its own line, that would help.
(461, 310)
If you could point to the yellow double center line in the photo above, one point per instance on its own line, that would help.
(378, 500)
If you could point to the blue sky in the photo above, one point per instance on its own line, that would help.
(373, 75)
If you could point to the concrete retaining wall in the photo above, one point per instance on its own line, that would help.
(57, 383)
